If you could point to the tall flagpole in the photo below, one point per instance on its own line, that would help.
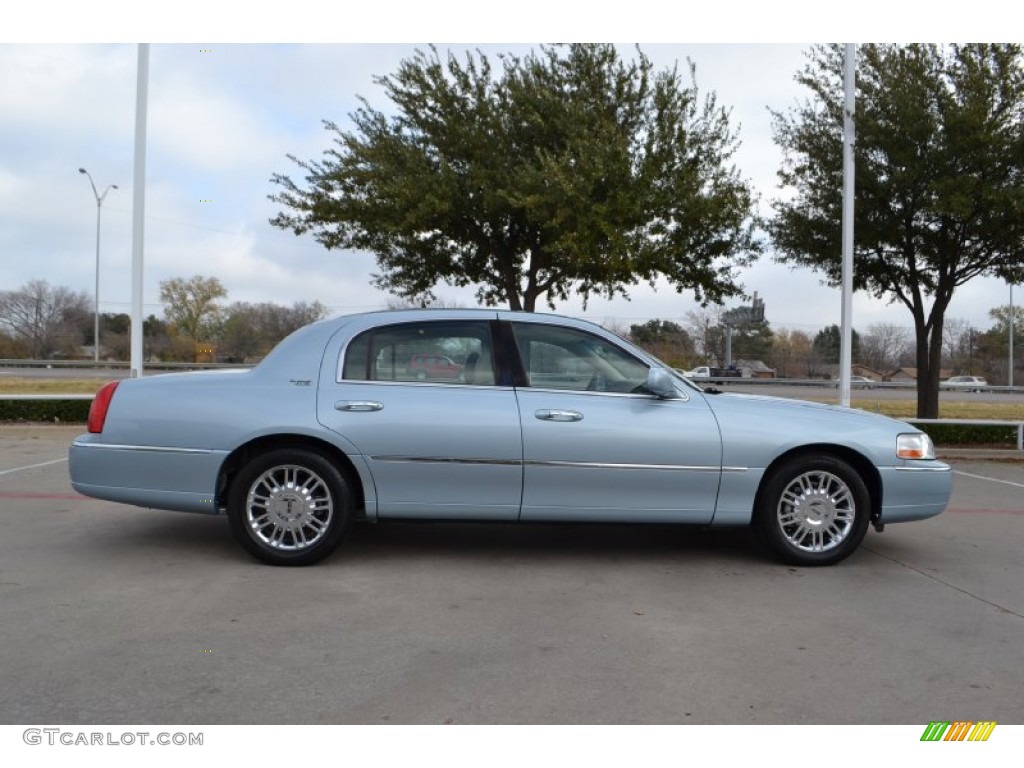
(139, 208)
(846, 347)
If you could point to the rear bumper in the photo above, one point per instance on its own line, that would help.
(180, 479)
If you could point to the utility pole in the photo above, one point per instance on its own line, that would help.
(96, 294)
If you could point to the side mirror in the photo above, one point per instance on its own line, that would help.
(660, 384)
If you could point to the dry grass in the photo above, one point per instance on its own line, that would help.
(907, 409)
(26, 386)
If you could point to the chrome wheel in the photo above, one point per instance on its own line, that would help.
(290, 505)
(816, 512)
(289, 508)
(813, 510)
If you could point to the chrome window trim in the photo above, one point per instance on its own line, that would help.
(639, 395)
(462, 384)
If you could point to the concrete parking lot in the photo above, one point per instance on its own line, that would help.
(114, 614)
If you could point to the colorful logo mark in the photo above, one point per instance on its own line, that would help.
(959, 730)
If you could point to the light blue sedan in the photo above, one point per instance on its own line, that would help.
(548, 418)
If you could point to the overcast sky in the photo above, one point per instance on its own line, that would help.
(223, 115)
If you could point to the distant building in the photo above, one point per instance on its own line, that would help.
(755, 369)
(910, 374)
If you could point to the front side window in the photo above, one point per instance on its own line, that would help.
(566, 358)
(432, 352)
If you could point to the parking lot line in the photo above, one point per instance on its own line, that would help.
(31, 466)
(993, 479)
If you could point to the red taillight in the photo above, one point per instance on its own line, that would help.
(100, 404)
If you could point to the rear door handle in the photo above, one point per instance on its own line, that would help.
(551, 414)
(358, 405)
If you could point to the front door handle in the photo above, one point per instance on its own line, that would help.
(358, 405)
(551, 414)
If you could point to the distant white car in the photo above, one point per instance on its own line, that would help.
(969, 383)
(859, 382)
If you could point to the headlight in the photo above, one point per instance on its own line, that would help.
(916, 445)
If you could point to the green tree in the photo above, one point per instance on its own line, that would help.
(569, 170)
(828, 344)
(191, 307)
(939, 190)
(752, 341)
(993, 346)
(665, 340)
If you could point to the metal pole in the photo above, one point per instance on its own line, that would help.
(139, 207)
(846, 346)
(96, 293)
(1011, 334)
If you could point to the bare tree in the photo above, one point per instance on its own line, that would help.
(433, 302)
(884, 346)
(956, 343)
(252, 330)
(44, 318)
(704, 327)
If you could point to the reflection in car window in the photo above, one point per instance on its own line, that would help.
(436, 352)
(566, 358)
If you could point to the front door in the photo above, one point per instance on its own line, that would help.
(598, 447)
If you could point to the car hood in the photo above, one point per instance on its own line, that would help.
(780, 405)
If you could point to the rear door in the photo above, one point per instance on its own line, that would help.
(440, 441)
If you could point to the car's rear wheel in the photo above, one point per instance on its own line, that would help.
(814, 510)
(289, 506)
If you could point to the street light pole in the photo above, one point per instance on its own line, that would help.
(96, 295)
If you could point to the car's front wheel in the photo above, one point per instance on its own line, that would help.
(814, 510)
(289, 506)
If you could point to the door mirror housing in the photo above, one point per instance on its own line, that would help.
(660, 384)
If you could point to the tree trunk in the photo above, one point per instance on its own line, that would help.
(929, 366)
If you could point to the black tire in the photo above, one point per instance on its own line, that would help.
(290, 506)
(814, 510)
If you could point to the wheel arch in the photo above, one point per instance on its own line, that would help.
(867, 471)
(244, 453)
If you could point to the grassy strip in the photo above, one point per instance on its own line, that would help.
(907, 409)
(23, 386)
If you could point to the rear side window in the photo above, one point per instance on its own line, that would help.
(442, 352)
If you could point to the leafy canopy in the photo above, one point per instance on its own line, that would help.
(939, 169)
(566, 170)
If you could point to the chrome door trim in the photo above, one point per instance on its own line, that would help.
(582, 464)
(145, 448)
